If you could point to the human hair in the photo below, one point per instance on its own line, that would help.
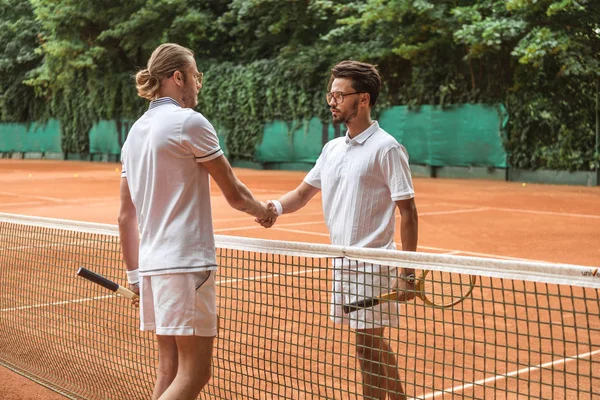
(365, 77)
(164, 61)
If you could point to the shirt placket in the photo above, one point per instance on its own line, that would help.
(345, 183)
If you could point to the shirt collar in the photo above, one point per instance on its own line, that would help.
(364, 135)
(162, 101)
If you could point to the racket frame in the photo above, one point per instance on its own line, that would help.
(106, 283)
(419, 292)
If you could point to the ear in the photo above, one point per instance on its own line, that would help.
(365, 98)
(178, 78)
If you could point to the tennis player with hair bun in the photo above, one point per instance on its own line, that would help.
(364, 176)
(167, 159)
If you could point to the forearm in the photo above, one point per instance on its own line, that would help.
(130, 240)
(293, 201)
(409, 230)
(246, 202)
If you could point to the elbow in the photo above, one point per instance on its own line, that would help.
(126, 217)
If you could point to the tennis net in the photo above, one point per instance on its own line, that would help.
(528, 330)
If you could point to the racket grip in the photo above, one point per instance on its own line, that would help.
(97, 279)
(357, 305)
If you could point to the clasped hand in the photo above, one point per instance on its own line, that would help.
(269, 215)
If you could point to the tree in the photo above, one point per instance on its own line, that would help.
(20, 37)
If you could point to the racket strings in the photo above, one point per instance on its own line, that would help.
(445, 289)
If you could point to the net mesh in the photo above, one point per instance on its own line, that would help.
(528, 330)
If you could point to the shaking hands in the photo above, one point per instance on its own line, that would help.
(270, 214)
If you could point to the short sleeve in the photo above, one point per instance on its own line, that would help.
(123, 156)
(313, 178)
(199, 136)
(396, 173)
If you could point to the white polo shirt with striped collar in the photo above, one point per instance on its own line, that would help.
(170, 189)
(361, 179)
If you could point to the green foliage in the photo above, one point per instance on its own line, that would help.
(267, 59)
(19, 38)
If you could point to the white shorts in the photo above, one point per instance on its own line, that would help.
(356, 281)
(179, 304)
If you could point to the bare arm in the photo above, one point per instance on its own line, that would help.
(297, 198)
(409, 234)
(129, 235)
(290, 202)
(128, 228)
(236, 193)
(409, 224)
(409, 227)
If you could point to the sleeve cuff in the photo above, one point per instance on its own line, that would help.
(312, 183)
(403, 196)
(210, 156)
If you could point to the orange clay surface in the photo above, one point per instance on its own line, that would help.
(464, 217)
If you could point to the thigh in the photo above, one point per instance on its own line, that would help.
(185, 304)
(362, 281)
(195, 354)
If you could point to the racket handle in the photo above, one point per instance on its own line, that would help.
(97, 279)
(357, 305)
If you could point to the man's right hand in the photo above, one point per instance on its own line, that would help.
(269, 215)
(135, 288)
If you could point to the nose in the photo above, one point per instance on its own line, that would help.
(332, 101)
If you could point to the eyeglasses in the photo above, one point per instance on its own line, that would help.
(338, 96)
(199, 77)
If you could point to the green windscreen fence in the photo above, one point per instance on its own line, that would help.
(107, 137)
(34, 137)
(296, 142)
(466, 135)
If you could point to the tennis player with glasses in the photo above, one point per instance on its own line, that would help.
(363, 177)
(167, 159)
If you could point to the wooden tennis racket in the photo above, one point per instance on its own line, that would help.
(106, 283)
(434, 288)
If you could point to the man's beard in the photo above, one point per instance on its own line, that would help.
(346, 118)
(189, 100)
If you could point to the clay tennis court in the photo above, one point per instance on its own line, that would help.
(462, 217)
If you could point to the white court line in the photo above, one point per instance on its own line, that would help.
(261, 277)
(32, 196)
(98, 201)
(256, 226)
(453, 252)
(49, 246)
(299, 231)
(22, 203)
(269, 276)
(274, 191)
(466, 210)
(248, 217)
(58, 303)
(546, 212)
(522, 210)
(419, 247)
(461, 388)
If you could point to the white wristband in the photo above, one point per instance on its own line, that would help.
(278, 207)
(133, 277)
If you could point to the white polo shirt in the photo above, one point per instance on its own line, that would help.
(360, 179)
(170, 190)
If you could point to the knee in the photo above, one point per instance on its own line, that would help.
(198, 382)
(204, 378)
